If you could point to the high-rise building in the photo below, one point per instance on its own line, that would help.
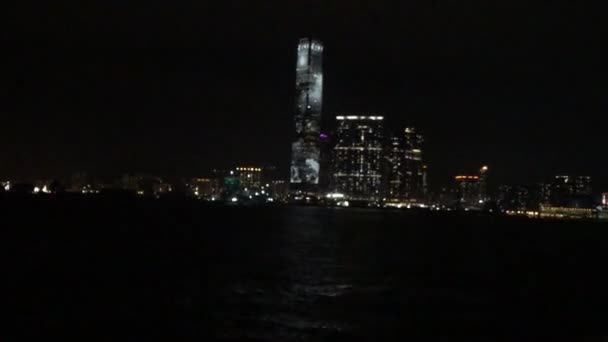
(306, 147)
(406, 169)
(472, 191)
(544, 193)
(279, 190)
(582, 186)
(468, 191)
(514, 198)
(425, 180)
(249, 177)
(327, 145)
(357, 170)
(564, 188)
(414, 167)
(568, 196)
(395, 178)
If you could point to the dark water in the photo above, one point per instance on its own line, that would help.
(184, 271)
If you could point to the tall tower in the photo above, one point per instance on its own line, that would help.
(357, 170)
(306, 146)
(407, 172)
(395, 179)
(414, 166)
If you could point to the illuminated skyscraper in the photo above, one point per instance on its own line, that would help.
(414, 167)
(306, 147)
(407, 172)
(357, 170)
(395, 154)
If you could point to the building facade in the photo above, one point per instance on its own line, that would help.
(306, 147)
(514, 198)
(468, 191)
(582, 186)
(395, 178)
(414, 166)
(563, 189)
(357, 166)
(249, 177)
(406, 178)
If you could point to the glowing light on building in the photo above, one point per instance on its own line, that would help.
(467, 177)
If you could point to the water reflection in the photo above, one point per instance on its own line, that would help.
(321, 274)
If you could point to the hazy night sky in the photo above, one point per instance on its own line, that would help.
(157, 87)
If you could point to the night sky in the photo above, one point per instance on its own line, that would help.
(110, 87)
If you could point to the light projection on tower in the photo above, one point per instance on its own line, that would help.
(306, 149)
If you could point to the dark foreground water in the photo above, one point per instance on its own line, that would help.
(183, 271)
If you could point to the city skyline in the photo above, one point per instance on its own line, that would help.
(318, 170)
(122, 100)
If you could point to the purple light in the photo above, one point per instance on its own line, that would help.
(324, 136)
